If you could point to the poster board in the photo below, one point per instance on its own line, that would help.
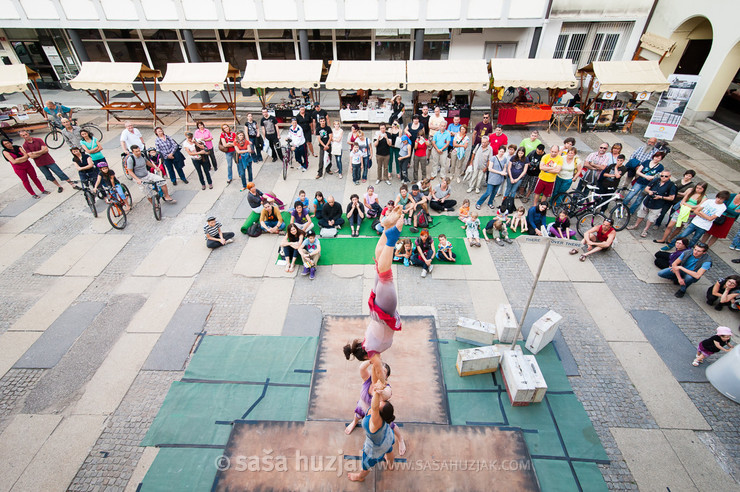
(671, 107)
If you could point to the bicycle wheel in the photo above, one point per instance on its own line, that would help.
(127, 194)
(54, 139)
(94, 130)
(125, 171)
(116, 215)
(565, 202)
(589, 220)
(90, 199)
(157, 206)
(620, 216)
(286, 160)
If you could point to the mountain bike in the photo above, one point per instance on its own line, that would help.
(117, 205)
(587, 209)
(54, 138)
(287, 158)
(156, 199)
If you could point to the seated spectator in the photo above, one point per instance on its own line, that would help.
(299, 216)
(519, 220)
(383, 213)
(536, 220)
(331, 214)
(664, 259)
(355, 214)
(318, 204)
(497, 224)
(270, 218)
(425, 186)
(215, 237)
(561, 227)
(598, 238)
(421, 204)
(688, 268)
(256, 199)
(310, 252)
(403, 251)
(303, 199)
(408, 205)
(464, 211)
(444, 250)
(424, 253)
(724, 290)
(439, 199)
(291, 245)
(372, 203)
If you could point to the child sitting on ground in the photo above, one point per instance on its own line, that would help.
(472, 226)
(464, 212)
(713, 344)
(561, 227)
(497, 224)
(444, 250)
(303, 199)
(403, 251)
(519, 219)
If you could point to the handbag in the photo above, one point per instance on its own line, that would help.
(719, 220)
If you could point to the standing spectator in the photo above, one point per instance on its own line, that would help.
(355, 160)
(382, 151)
(243, 153)
(404, 158)
(137, 168)
(496, 175)
(310, 252)
(440, 142)
(683, 212)
(550, 166)
(659, 191)
(424, 118)
(305, 120)
(196, 153)
(367, 153)
(571, 168)
(324, 134)
(86, 168)
(722, 225)
(645, 173)
(331, 214)
(413, 129)
(420, 156)
(531, 143)
(337, 134)
(204, 137)
(298, 143)
(227, 139)
(568, 143)
(131, 136)
(688, 268)
(644, 153)
(395, 137)
(704, 216)
(683, 187)
(611, 175)
(270, 130)
(371, 200)
(437, 122)
(397, 110)
(355, 214)
(483, 129)
(460, 153)
(215, 237)
(319, 113)
(713, 345)
(533, 172)
(497, 138)
(254, 137)
(440, 197)
(37, 150)
(480, 165)
(516, 171)
(18, 159)
(173, 159)
(91, 146)
(595, 164)
(70, 133)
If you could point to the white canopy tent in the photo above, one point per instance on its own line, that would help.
(372, 75)
(282, 74)
(537, 73)
(21, 78)
(628, 76)
(451, 75)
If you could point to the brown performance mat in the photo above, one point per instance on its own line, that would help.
(416, 377)
(288, 456)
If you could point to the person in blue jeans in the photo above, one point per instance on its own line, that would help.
(645, 173)
(517, 171)
(496, 176)
(704, 215)
(688, 268)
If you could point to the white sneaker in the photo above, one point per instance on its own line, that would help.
(431, 267)
(469, 190)
(477, 190)
(458, 179)
(423, 273)
(229, 241)
(388, 181)
(377, 181)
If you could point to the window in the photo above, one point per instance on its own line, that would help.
(164, 52)
(276, 50)
(159, 34)
(88, 33)
(238, 53)
(320, 51)
(353, 50)
(436, 50)
(286, 34)
(236, 34)
(127, 51)
(208, 51)
(575, 46)
(120, 34)
(387, 50)
(96, 51)
(584, 43)
(353, 34)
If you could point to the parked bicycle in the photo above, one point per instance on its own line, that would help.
(156, 199)
(119, 199)
(591, 210)
(287, 157)
(54, 138)
(87, 190)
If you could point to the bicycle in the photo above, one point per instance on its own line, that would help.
(287, 158)
(89, 197)
(124, 156)
(156, 199)
(511, 93)
(117, 205)
(54, 138)
(587, 208)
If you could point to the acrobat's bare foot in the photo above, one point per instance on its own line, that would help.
(356, 477)
(350, 427)
(392, 217)
(401, 447)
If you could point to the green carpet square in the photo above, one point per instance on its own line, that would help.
(182, 469)
(474, 407)
(578, 433)
(590, 477)
(535, 417)
(555, 476)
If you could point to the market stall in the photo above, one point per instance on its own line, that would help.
(282, 74)
(20, 78)
(430, 79)
(363, 77)
(98, 79)
(184, 77)
(522, 74)
(607, 111)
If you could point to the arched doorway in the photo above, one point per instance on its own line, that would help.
(726, 86)
(693, 43)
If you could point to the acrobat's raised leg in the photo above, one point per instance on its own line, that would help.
(392, 226)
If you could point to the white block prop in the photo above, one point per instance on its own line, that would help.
(506, 323)
(543, 331)
(477, 360)
(518, 379)
(475, 332)
(540, 385)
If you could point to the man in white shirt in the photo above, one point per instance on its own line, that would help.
(131, 136)
(298, 142)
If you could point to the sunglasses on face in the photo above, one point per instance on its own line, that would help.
(603, 148)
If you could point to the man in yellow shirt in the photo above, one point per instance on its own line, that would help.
(549, 168)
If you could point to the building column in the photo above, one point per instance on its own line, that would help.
(80, 49)
(418, 44)
(194, 57)
(303, 44)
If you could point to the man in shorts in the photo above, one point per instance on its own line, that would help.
(660, 191)
(598, 238)
(550, 166)
(136, 165)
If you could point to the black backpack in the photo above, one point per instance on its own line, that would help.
(255, 230)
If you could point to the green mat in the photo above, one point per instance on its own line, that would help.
(254, 358)
(181, 469)
(361, 251)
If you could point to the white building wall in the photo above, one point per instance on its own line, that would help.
(472, 46)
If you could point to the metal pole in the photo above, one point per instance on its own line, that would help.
(187, 34)
(419, 44)
(80, 49)
(531, 293)
(303, 44)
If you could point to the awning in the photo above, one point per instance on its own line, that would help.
(372, 75)
(628, 76)
(537, 73)
(450, 75)
(15, 78)
(208, 76)
(657, 44)
(282, 74)
(118, 76)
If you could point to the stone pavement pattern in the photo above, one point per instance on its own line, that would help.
(156, 266)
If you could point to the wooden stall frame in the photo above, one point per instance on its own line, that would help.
(229, 103)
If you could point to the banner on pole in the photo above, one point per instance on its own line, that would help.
(671, 106)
